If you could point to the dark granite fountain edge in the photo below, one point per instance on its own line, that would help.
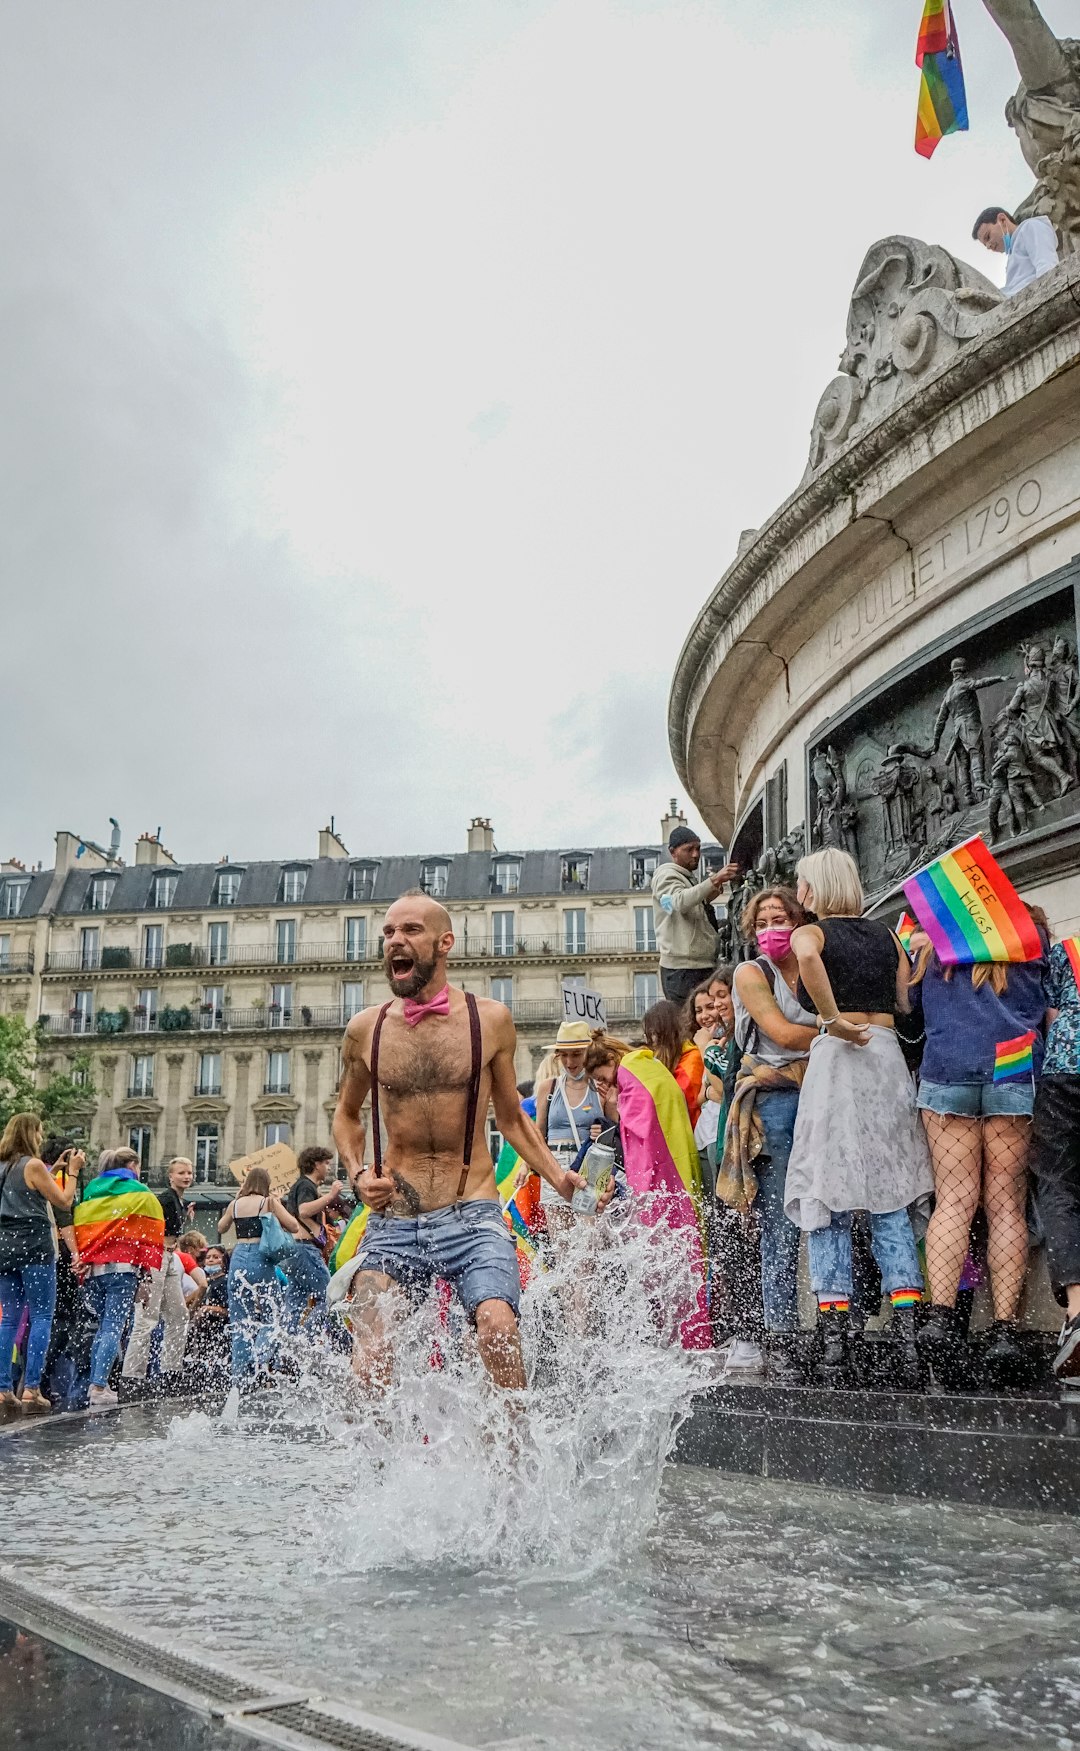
(1020, 1453)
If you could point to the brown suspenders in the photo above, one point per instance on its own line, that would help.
(474, 1088)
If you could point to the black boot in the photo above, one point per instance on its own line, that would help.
(834, 1367)
(1004, 1362)
(942, 1346)
(907, 1369)
(781, 1359)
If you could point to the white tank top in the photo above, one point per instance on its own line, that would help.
(790, 1008)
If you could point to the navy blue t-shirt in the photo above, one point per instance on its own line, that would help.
(964, 1027)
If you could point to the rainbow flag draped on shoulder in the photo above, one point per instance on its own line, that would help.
(118, 1221)
(942, 94)
(661, 1159)
(970, 910)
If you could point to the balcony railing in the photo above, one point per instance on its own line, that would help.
(16, 963)
(556, 945)
(203, 1089)
(304, 1016)
(135, 1092)
(277, 1088)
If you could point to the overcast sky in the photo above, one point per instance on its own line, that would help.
(386, 383)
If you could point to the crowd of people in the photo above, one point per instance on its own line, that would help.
(918, 1123)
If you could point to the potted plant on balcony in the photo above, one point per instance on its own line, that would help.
(305, 1014)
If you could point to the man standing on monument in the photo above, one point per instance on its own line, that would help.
(685, 923)
(966, 750)
(432, 1058)
(1030, 246)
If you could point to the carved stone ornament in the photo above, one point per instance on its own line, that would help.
(914, 306)
(139, 1111)
(205, 1109)
(1045, 114)
(275, 1109)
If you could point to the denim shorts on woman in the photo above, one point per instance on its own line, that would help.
(979, 1100)
(468, 1245)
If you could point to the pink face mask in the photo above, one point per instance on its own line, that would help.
(776, 941)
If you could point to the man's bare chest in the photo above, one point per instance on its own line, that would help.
(423, 1064)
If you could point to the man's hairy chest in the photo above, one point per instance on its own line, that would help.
(424, 1065)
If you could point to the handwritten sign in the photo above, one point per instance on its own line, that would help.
(277, 1158)
(581, 1004)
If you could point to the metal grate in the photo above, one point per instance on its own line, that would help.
(328, 1729)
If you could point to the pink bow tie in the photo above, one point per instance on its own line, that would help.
(414, 1012)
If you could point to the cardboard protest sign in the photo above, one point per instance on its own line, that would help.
(277, 1158)
(581, 1004)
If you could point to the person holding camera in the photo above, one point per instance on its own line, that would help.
(28, 1254)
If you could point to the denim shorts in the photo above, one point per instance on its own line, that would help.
(468, 1245)
(979, 1100)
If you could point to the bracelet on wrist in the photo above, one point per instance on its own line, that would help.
(824, 1025)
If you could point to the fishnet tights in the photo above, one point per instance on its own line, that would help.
(973, 1158)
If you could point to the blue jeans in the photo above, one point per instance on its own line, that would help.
(893, 1242)
(307, 1276)
(779, 1237)
(112, 1298)
(255, 1306)
(32, 1286)
(468, 1245)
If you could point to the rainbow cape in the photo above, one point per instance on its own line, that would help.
(1071, 945)
(970, 910)
(119, 1222)
(905, 930)
(1014, 1057)
(349, 1238)
(942, 96)
(661, 1157)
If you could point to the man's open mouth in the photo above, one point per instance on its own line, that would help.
(400, 966)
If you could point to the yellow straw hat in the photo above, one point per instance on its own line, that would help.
(574, 1036)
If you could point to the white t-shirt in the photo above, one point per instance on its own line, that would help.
(1033, 253)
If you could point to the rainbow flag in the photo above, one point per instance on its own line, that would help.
(1014, 1057)
(942, 97)
(1071, 945)
(660, 1156)
(970, 910)
(349, 1238)
(119, 1222)
(905, 930)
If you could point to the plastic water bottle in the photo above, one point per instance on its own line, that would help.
(597, 1168)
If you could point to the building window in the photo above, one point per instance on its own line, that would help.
(646, 992)
(142, 1075)
(12, 895)
(293, 883)
(355, 939)
(5, 953)
(163, 891)
(506, 875)
(285, 940)
(280, 1010)
(145, 1017)
(352, 998)
(435, 877)
(99, 893)
(502, 933)
(574, 931)
(212, 1006)
(575, 873)
(644, 929)
(82, 1012)
(153, 951)
(362, 881)
(502, 990)
(276, 1133)
(277, 1073)
(89, 948)
(206, 1152)
(139, 1139)
(226, 887)
(208, 1077)
(217, 944)
(642, 868)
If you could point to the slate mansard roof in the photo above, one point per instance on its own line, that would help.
(470, 876)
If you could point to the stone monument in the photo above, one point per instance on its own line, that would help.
(1045, 114)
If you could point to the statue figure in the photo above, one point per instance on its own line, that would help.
(966, 752)
(1011, 783)
(896, 781)
(1045, 114)
(778, 862)
(1032, 700)
(1065, 693)
(830, 827)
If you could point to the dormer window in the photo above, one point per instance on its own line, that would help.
(99, 893)
(506, 875)
(575, 872)
(434, 877)
(12, 894)
(226, 887)
(362, 881)
(163, 892)
(642, 869)
(293, 883)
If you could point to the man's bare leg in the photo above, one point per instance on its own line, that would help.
(499, 1342)
(375, 1306)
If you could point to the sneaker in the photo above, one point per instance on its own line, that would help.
(102, 1398)
(1066, 1363)
(34, 1403)
(745, 1361)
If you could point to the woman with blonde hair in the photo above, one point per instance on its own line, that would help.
(28, 1254)
(256, 1298)
(858, 1144)
(978, 1129)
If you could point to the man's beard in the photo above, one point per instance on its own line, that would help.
(411, 984)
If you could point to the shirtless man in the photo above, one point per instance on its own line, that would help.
(432, 1058)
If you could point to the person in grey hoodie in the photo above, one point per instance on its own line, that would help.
(685, 923)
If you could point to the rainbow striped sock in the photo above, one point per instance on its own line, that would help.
(905, 1297)
(829, 1304)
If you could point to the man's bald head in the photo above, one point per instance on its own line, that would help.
(417, 938)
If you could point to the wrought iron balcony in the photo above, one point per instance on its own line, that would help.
(277, 1087)
(16, 963)
(204, 1089)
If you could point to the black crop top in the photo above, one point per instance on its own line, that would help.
(248, 1227)
(861, 957)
